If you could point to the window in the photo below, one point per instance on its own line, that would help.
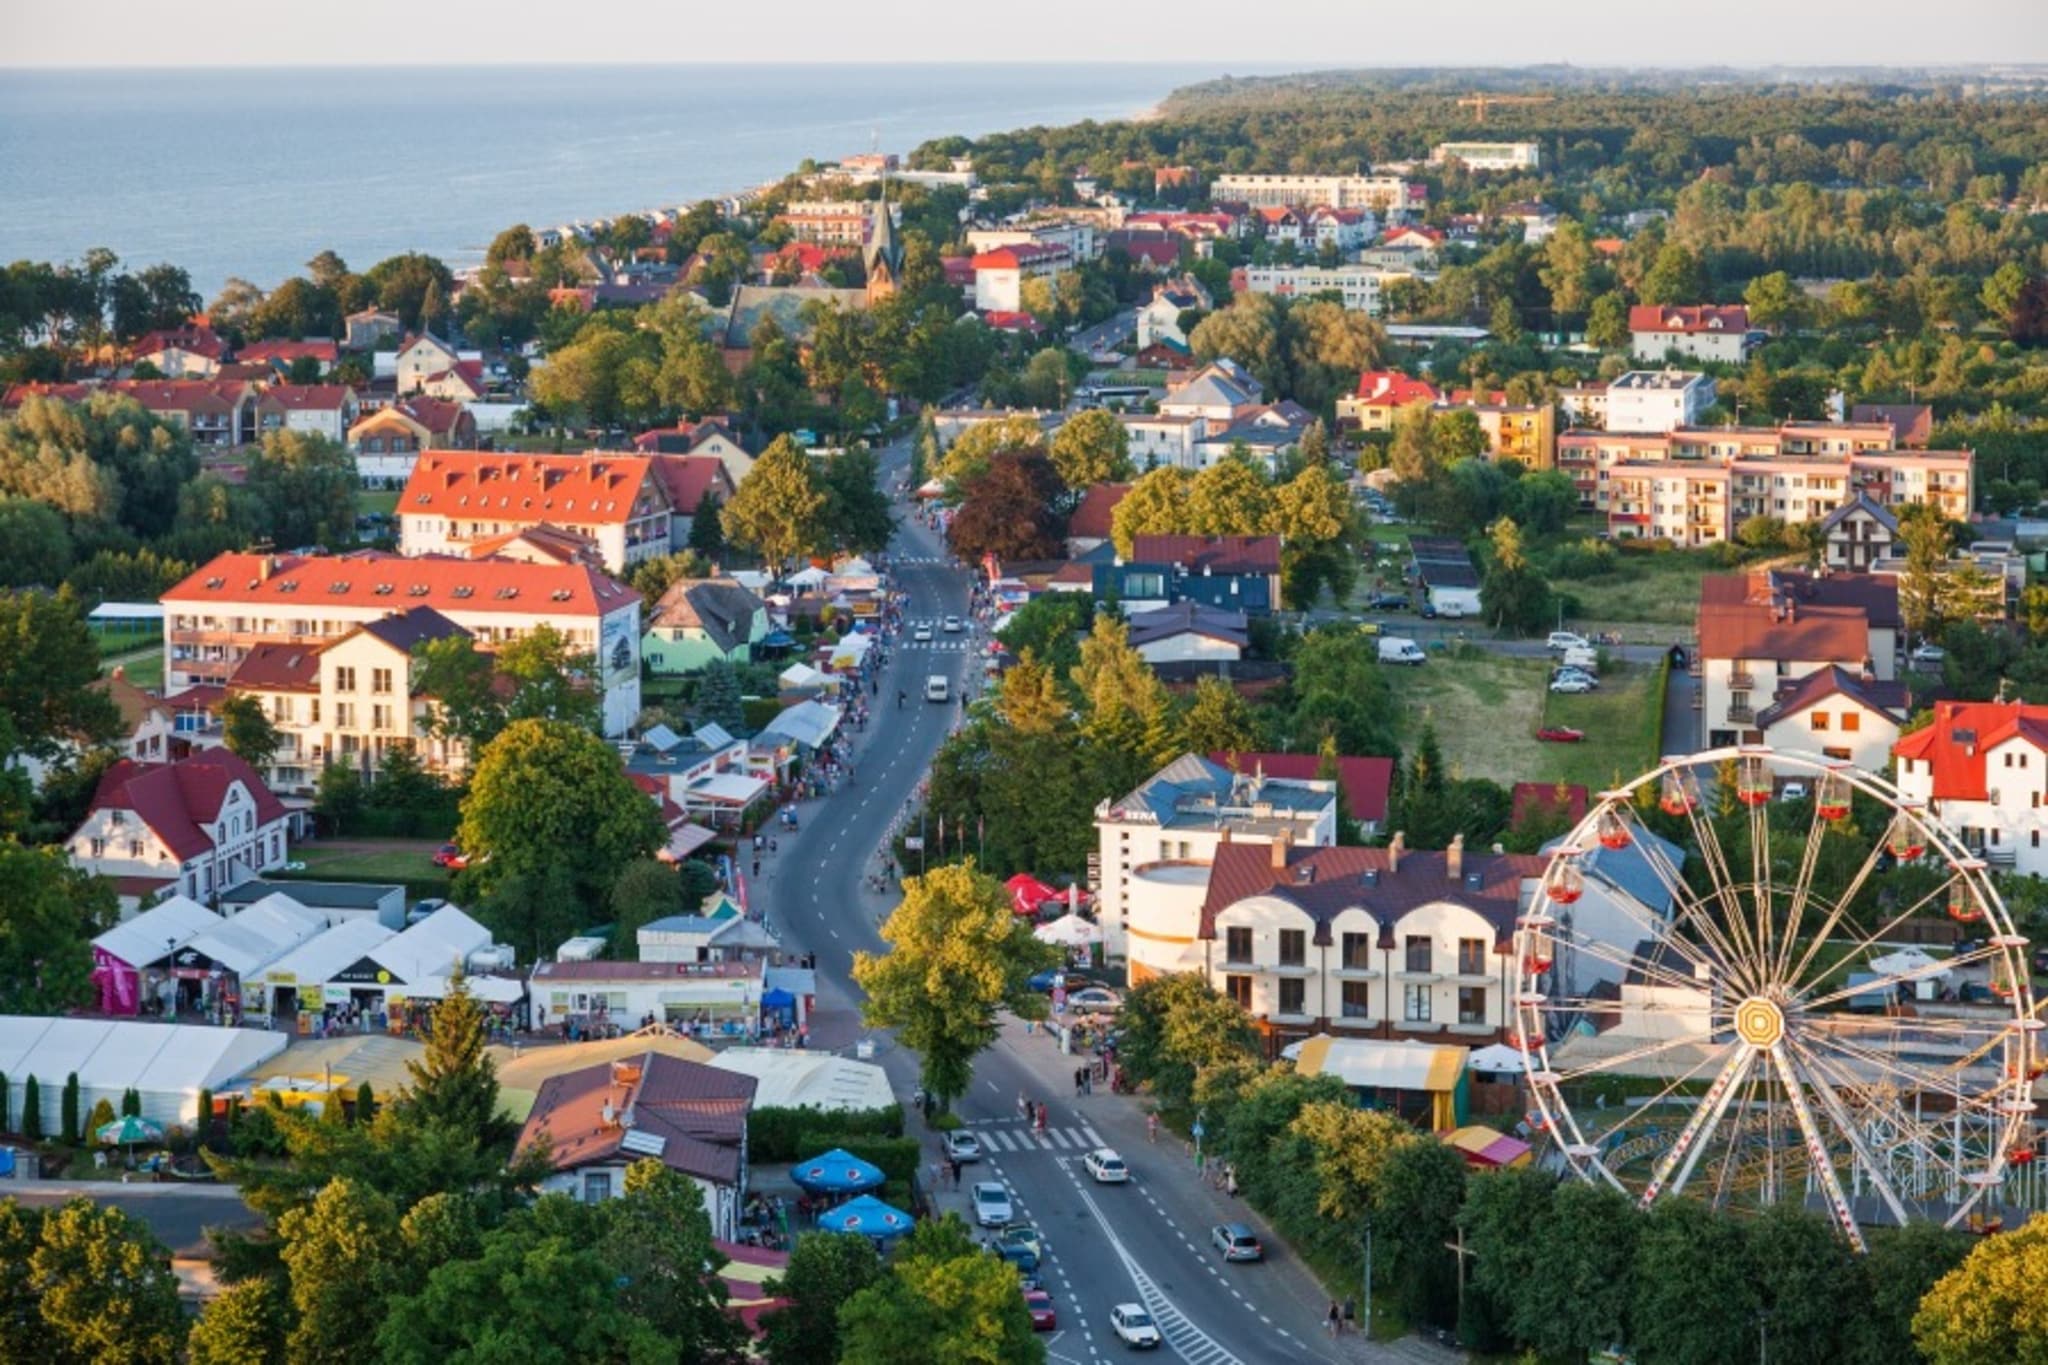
(345, 714)
(380, 717)
(1471, 1004)
(1818, 719)
(1293, 948)
(135, 848)
(1853, 721)
(344, 680)
(1357, 1000)
(1471, 957)
(1357, 950)
(1239, 989)
(1415, 1004)
(1293, 996)
(1419, 955)
(597, 1185)
(1237, 945)
(99, 848)
(314, 716)
(380, 681)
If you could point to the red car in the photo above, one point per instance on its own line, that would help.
(1043, 1316)
(448, 855)
(1560, 734)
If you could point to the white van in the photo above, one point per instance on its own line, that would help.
(1395, 650)
(936, 688)
(1582, 656)
(1568, 639)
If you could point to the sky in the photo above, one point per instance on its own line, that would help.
(1304, 34)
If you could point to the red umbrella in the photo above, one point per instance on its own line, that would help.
(1027, 893)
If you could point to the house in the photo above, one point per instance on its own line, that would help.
(717, 998)
(1221, 391)
(1514, 431)
(712, 436)
(192, 352)
(146, 725)
(1538, 220)
(387, 442)
(421, 358)
(1156, 439)
(1188, 630)
(280, 356)
(216, 413)
(1235, 572)
(324, 410)
(1379, 395)
(702, 621)
(1159, 320)
(1837, 714)
(1278, 223)
(688, 480)
(596, 1121)
(999, 275)
(1340, 230)
(1091, 521)
(1912, 423)
(236, 601)
(1155, 252)
(1656, 400)
(1979, 770)
(1445, 572)
(1760, 630)
(1859, 533)
(1703, 332)
(1265, 435)
(1488, 156)
(455, 497)
(1156, 843)
(368, 329)
(1356, 942)
(540, 543)
(1584, 405)
(724, 935)
(197, 825)
(1365, 782)
(462, 382)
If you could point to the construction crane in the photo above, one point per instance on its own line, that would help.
(1478, 101)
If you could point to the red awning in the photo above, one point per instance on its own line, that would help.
(1027, 893)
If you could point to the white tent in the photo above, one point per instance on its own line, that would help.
(307, 967)
(435, 947)
(258, 936)
(800, 676)
(157, 932)
(808, 578)
(753, 580)
(809, 723)
(1497, 1059)
(167, 1065)
(793, 1079)
(1069, 931)
(1930, 979)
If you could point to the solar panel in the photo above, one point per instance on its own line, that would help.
(646, 1144)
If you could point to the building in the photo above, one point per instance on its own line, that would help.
(324, 410)
(1980, 770)
(1836, 714)
(1358, 286)
(1488, 156)
(1265, 435)
(217, 614)
(1156, 439)
(1859, 533)
(595, 1122)
(387, 442)
(458, 497)
(1233, 573)
(708, 438)
(1656, 400)
(999, 275)
(1379, 395)
(197, 825)
(833, 222)
(191, 352)
(1076, 235)
(281, 355)
(689, 480)
(1912, 423)
(168, 1066)
(1221, 392)
(1763, 630)
(1157, 842)
(1340, 230)
(216, 413)
(703, 621)
(1365, 782)
(1513, 431)
(1188, 630)
(420, 359)
(369, 328)
(1278, 223)
(1093, 518)
(1704, 332)
(1584, 405)
(1159, 319)
(711, 999)
(1384, 194)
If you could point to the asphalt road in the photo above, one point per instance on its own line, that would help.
(1142, 1242)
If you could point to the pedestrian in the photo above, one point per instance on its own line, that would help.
(954, 1162)
(1023, 1106)
(1152, 1127)
(1334, 1318)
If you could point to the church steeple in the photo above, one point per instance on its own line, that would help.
(884, 255)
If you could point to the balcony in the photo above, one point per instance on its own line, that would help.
(1741, 713)
(1742, 681)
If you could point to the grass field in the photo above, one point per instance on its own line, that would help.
(1644, 589)
(142, 664)
(1487, 708)
(410, 861)
(374, 500)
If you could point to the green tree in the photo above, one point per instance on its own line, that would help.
(1694, 1301)
(341, 1253)
(1091, 447)
(1217, 720)
(67, 1111)
(515, 245)
(856, 516)
(47, 660)
(1607, 322)
(943, 1300)
(307, 487)
(1927, 537)
(547, 797)
(1156, 505)
(244, 1325)
(1674, 278)
(104, 1287)
(1990, 1307)
(1173, 1027)
(1585, 1245)
(35, 544)
(102, 1114)
(457, 679)
(1567, 270)
(779, 511)
(825, 1271)
(48, 917)
(366, 1103)
(1339, 692)
(975, 447)
(957, 955)
(707, 530)
(1512, 593)
(26, 1339)
(658, 1238)
(925, 453)
(646, 890)
(1421, 1188)
(1229, 498)
(338, 796)
(1902, 1267)
(247, 731)
(719, 698)
(1773, 300)
(32, 1110)
(454, 1083)
(550, 679)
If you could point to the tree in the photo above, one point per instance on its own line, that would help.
(924, 449)
(1421, 1188)
(1585, 1244)
(1091, 447)
(243, 1325)
(856, 516)
(456, 678)
(957, 954)
(35, 544)
(341, 1253)
(1512, 593)
(339, 796)
(366, 1103)
(48, 917)
(943, 1300)
(247, 731)
(1990, 1307)
(1901, 1269)
(719, 699)
(1229, 498)
(1340, 692)
(32, 1109)
(26, 1339)
(1567, 271)
(67, 1112)
(1674, 278)
(1773, 300)
(1607, 322)
(454, 1083)
(105, 1288)
(647, 890)
(825, 1271)
(1010, 509)
(707, 530)
(1173, 1027)
(48, 660)
(1217, 720)
(547, 797)
(551, 679)
(975, 447)
(658, 1239)
(514, 245)
(307, 487)
(1927, 538)
(1156, 505)
(1693, 1301)
(778, 512)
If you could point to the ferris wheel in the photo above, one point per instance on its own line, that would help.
(1733, 1016)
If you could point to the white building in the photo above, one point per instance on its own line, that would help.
(1358, 285)
(1836, 714)
(1656, 400)
(420, 359)
(1219, 392)
(1187, 632)
(1981, 770)
(1157, 439)
(1489, 156)
(1697, 333)
(1159, 319)
(457, 501)
(325, 410)
(1759, 632)
(999, 275)
(724, 997)
(167, 1065)
(197, 826)
(1161, 838)
(1380, 193)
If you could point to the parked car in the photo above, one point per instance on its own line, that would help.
(1045, 982)
(1561, 640)
(1022, 1235)
(1560, 734)
(992, 1207)
(1387, 601)
(1579, 673)
(1929, 656)
(951, 625)
(1572, 683)
(1793, 791)
(1237, 1242)
(1044, 1317)
(1106, 1166)
(1093, 998)
(1133, 1327)
(963, 1146)
(450, 856)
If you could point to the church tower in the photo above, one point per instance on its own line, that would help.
(884, 255)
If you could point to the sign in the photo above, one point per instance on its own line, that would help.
(1059, 999)
(338, 995)
(1198, 1130)
(1095, 871)
(282, 979)
(364, 972)
(618, 650)
(913, 842)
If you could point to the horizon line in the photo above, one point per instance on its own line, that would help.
(1291, 66)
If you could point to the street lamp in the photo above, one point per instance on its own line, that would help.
(1366, 1319)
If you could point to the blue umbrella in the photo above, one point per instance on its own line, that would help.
(837, 1172)
(868, 1216)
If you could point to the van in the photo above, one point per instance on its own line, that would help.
(1395, 650)
(1582, 656)
(936, 688)
(1568, 639)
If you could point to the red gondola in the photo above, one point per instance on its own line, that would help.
(1680, 794)
(1905, 841)
(1963, 906)
(1567, 883)
(1831, 800)
(1753, 782)
(1610, 831)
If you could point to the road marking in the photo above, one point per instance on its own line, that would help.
(1191, 1343)
(1095, 1140)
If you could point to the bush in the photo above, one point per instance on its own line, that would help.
(781, 1133)
(102, 1115)
(67, 1112)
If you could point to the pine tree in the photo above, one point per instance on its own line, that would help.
(6, 1089)
(707, 533)
(32, 1110)
(131, 1103)
(202, 1119)
(67, 1112)
(366, 1103)
(718, 697)
(455, 1084)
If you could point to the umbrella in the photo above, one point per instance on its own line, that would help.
(128, 1130)
(1027, 893)
(836, 1172)
(868, 1216)
(1069, 931)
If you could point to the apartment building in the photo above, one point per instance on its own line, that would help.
(1382, 194)
(1359, 286)
(1981, 770)
(833, 222)
(239, 600)
(1379, 395)
(1078, 236)
(999, 275)
(1697, 333)
(455, 498)
(1760, 632)
(1488, 156)
(1656, 400)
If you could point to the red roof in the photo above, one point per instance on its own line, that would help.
(687, 478)
(1650, 317)
(571, 489)
(175, 799)
(264, 352)
(959, 269)
(308, 397)
(440, 416)
(196, 340)
(1366, 781)
(1159, 248)
(1222, 554)
(1021, 254)
(1962, 734)
(182, 395)
(1098, 504)
(278, 668)
(396, 582)
(1004, 320)
(17, 394)
(1394, 388)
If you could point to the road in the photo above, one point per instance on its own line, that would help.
(1141, 1242)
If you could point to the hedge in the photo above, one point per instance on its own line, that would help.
(777, 1133)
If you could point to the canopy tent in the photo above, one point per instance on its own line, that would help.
(1397, 1074)
(1487, 1148)
(1069, 931)
(491, 990)
(753, 580)
(167, 1065)
(1027, 893)
(837, 1172)
(810, 577)
(112, 613)
(307, 968)
(437, 946)
(1497, 1059)
(128, 1130)
(809, 724)
(724, 789)
(797, 677)
(931, 488)
(1911, 960)
(776, 639)
(868, 1216)
(120, 954)
(799, 1078)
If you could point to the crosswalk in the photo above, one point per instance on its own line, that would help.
(940, 646)
(1020, 1138)
(921, 559)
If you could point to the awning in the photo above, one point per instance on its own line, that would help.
(684, 840)
(725, 789)
(1483, 1146)
(1027, 893)
(1497, 1059)
(777, 1000)
(837, 1172)
(1069, 931)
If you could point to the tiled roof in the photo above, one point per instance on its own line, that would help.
(695, 1115)
(405, 629)
(579, 489)
(196, 340)
(1327, 881)
(1218, 554)
(719, 607)
(278, 668)
(1188, 617)
(395, 582)
(439, 416)
(134, 704)
(687, 478)
(557, 543)
(1791, 618)
(263, 352)
(1650, 317)
(1962, 734)
(1873, 694)
(1912, 423)
(1091, 518)
(1366, 781)
(306, 397)
(1394, 388)
(175, 799)
(1020, 254)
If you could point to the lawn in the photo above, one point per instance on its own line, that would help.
(1487, 707)
(114, 640)
(370, 501)
(144, 667)
(1644, 589)
(410, 861)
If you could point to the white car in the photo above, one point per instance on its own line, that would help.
(1133, 1327)
(951, 625)
(1094, 998)
(963, 1146)
(1562, 640)
(1930, 655)
(992, 1205)
(1106, 1166)
(923, 633)
(1572, 684)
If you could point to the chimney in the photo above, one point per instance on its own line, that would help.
(1282, 842)
(1454, 857)
(266, 565)
(1396, 846)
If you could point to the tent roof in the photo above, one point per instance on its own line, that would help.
(727, 787)
(432, 948)
(790, 1078)
(259, 935)
(114, 1054)
(809, 723)
(1498, 1059)
(1367, 1063)
(157, 931)
(312, 962)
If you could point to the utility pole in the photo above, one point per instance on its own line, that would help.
(1365, 1319)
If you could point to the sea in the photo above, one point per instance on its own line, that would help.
(250, 173)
